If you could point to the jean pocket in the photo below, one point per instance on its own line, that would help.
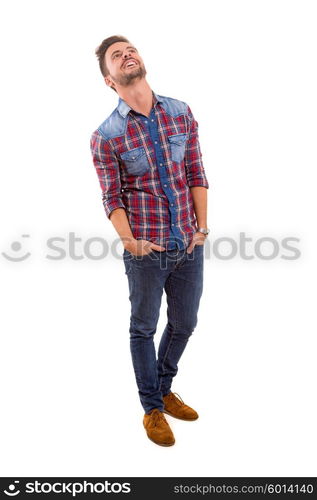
(177, 144)
(135, 161)
(199, 250)
(127, 264)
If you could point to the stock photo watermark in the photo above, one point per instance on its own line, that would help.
(96, 248)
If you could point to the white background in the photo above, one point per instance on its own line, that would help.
(69, 399)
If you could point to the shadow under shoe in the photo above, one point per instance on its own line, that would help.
(157, 428)
(175, 406)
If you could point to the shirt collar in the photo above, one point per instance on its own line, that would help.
(124, 108)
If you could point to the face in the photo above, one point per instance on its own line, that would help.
(124, 64)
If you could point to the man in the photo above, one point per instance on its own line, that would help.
(154, 191)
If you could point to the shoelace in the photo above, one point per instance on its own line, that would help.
(157, 416)
(177, 399)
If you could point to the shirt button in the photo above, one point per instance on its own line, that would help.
(155, 142)
(161, 164)
(152, 120)
(173, 224)
(145, 121)
(172, 204)
(165, 185)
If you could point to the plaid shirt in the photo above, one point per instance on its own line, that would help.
(147, 166)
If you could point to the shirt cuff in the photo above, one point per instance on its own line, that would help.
(198, 182)
(111, 204)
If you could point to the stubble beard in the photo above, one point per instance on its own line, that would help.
(128, 78)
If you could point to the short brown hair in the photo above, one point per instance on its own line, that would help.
(102, 49)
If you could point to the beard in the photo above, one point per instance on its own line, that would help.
(126, 79)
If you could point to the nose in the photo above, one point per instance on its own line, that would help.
(127, 53)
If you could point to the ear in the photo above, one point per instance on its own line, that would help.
(109, 81)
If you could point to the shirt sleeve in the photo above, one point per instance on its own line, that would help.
(108, 172)
(195, 171)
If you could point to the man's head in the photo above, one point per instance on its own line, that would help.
(119, 62)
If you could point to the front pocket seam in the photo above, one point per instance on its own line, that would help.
(177, 139)
(133, 154)
(135, 161)
(177, 146)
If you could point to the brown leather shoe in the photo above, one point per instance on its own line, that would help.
(157, 428)
(175, 406)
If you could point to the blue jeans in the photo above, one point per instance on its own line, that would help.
(181, 276)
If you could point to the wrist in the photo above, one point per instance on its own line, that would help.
(128, 243)
(203, 229)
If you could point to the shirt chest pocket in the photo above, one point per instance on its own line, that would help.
(177, 144)
(135, 161)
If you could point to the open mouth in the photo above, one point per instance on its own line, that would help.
(130, 64)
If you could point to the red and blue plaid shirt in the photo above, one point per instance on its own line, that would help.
(147, 166)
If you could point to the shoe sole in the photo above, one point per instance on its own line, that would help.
(161, 444)
(180, 418)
